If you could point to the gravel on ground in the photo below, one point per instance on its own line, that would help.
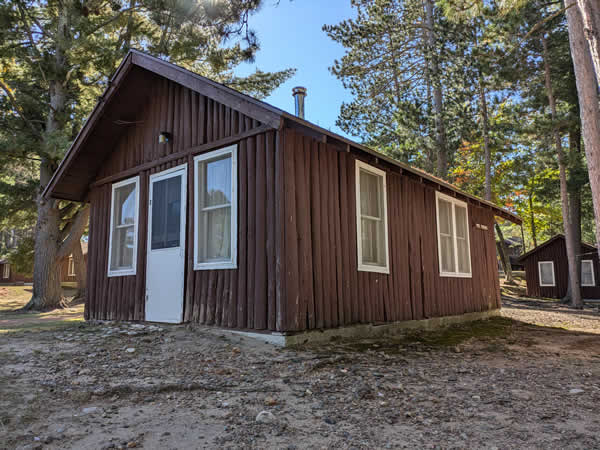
(529, 379)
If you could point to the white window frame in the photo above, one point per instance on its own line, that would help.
(232, 263)
(591, 262)
(71, 267)
(6, 271)
(360, 165)
(454, 202)
(115, 186)
(540, 274)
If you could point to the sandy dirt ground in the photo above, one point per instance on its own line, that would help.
(529, 379)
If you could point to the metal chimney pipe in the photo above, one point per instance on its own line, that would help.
(299, 93)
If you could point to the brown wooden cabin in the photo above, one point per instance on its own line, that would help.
(10, 276)
(210, 206)
(547, 269)
(67, 266)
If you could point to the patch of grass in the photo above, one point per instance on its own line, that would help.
(493, 328)
(36, 326)
(14, 297)
(495, 332)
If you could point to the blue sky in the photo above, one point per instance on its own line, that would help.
(290, 35)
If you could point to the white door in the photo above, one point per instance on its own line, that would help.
(165, 263)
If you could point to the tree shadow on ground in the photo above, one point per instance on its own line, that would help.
(550, 305)
(494, 335)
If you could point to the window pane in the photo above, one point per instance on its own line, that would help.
(125, 204)
(445, 212)
(546, 273)
(166, 213)
(447, 251)
(123, 232)
(462, 246)
(373, 246)
(214, 209)
(214, 239)
(370, 189)
(461, 221)
(587, 277)
(122, 248)
(217, 176)
(464, 265)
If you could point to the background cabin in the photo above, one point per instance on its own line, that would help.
(547, 269)
(210, 206)
(10, 276)
(67, 265)
(66, 268)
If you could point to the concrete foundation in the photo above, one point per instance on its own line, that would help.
(363, 331)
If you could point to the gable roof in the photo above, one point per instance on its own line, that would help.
(99, 134)
(554, 238)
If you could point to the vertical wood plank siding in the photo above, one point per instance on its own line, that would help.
(323, 286)
(242, 298)
(556, 251)
(297, 263)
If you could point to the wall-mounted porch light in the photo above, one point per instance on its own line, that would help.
(164, 137)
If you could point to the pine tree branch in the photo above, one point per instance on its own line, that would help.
(112, 19)
(18, 109)
(536, 27)
(34, 47)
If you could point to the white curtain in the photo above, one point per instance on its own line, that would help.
(546, 273)
(462, 243)
(587, 276)
(214, 238)
(218, 233)
(122, 244)
(446, 235)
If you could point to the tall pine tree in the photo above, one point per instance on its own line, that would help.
(55, 59)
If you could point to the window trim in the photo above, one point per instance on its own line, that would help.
(360, 165)
(540, 274)
(70, 265)
(6, 271)
(591, 261)
(232, 263)
(115, 186)
(454, 202)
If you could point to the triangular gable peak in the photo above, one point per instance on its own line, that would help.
(557, 237)
(193, 120)
(147, 90)
(146, 96)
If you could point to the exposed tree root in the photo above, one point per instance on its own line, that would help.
(33, 305)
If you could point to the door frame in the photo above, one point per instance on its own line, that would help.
(158, 176)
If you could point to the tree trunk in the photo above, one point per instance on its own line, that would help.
(576, 301)
(590, 17)
(504, 258)
(575, 197)
(532, 219)
(80, 272)
(438, 106)
(429, 149)
(589, 110)
(486, 140)
(47, 292)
